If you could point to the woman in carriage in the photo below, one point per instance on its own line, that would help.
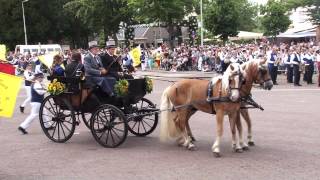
(56, 68)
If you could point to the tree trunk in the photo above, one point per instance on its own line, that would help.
(318, 34)
(179, 33)
(106, 34)
(115, 38)
(171, 35)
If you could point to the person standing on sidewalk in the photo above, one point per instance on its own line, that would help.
(272, 65)
(296, 61)
(37, 96)
(318, 65)
(28, 76)
(309, 66)
(289, 66)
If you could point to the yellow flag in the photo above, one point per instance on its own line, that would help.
(135, 55)
(2, 52)
(9, 88)
(47, 59)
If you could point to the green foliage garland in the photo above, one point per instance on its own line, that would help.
(149, 85)
(121, 87)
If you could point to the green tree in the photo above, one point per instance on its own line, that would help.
(313, 7)
(248, 15)
(105, 15)
(168, 12)
(11, 29)
(46, 22)
(222, 18)
(275, 19)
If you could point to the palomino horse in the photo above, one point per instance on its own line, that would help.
(182, 99)
(256, 72)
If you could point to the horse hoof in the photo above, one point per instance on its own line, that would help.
(245, 148)
(239, 150)
(251, 143)
(192, 147)
(216, 154)
(193, 139)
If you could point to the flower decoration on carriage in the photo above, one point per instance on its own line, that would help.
(121, 87)
(56, 88)
(149, 85)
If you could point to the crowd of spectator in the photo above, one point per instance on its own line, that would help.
(283, 57)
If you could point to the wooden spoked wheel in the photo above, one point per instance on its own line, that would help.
(109, 126)
(57, 119)
(140, 124)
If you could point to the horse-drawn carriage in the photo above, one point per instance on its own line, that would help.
(108, 118)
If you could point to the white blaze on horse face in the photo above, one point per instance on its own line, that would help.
(235, 94)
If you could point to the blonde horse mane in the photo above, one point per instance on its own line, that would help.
(227, 74)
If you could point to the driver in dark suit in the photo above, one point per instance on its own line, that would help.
(111, 62)
(96, 73)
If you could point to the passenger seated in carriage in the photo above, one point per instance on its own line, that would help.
(113, 64)
(56, 68)
(96, 73)
(75, 68)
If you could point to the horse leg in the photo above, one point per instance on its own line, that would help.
(182, 122)
(185, 141)
(246, 117)
(243, 145)
(190, 113)
(233, 118)
(219, 131)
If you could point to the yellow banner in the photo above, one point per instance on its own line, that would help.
(2, 52)
(135, 55)
(47, 59)
(9, 88)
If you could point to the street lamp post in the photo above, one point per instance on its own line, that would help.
(201, 17)
(24, 22)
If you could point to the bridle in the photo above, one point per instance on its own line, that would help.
(241, 81)
(262, 72)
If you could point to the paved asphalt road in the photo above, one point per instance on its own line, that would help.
(287, 140)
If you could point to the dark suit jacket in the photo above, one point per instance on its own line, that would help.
(113, 70)
(71, 69)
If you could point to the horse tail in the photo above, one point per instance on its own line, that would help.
(168, 127)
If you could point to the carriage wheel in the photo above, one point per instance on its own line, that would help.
(57, 124)
(143, 125)
(109, 126)
(86, 118)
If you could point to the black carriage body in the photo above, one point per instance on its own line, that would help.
(103, 115)
(136, 91)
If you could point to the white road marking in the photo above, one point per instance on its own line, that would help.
(284, 90)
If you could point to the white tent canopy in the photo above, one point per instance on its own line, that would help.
(247, 35)
(299, 34)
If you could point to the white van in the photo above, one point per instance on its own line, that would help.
(40, 48)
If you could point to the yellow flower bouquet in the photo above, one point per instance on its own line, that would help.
(121, 87)
(56, 88)
(149, 85)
